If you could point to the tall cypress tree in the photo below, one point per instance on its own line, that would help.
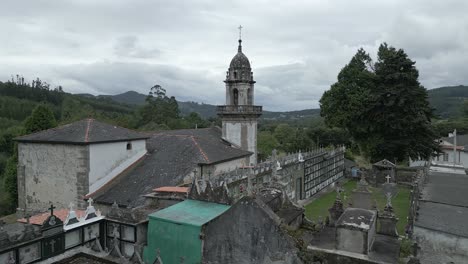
(399, 108)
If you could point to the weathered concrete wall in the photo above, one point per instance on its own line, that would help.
(439, 244)
(247, 233)
(327, 256)
(404, 174)
(220, 168)
(107, 160)
(351, 240)
(52, 173)
(242, 132)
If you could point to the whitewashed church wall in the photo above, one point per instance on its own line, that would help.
(51, 173)
(243, 134)
(107, 160)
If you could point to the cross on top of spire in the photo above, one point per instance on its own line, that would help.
(239, 49)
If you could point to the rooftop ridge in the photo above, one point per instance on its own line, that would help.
(87, 130)
(200, 149)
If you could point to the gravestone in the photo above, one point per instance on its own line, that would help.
(337, 209)
(388, 220)
(361, 196)
(54, 236)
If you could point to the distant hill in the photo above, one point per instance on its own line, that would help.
(130, 98)
(205, 110)
(447, 101)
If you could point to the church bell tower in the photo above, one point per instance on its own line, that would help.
(239, 116)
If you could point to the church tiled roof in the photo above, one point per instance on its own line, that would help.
(83, 132)
(171, 156)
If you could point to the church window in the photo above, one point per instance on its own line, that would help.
(236, 96)
(235, 75)
(129, 146)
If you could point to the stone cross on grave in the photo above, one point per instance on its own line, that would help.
(51, 208)
(388, 178)
(338, 191)
(52, 244)
(389, 199)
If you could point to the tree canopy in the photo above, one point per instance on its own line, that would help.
(382, 105)
(42, 118)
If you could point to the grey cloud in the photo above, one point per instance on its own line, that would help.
(128, 46)
(296, 48)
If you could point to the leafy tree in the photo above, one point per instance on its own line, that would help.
(41, 118)
(285, 136)
(266, 142)
(382, 106)
(9, 177)
(159, 108)
(465, 108)
(345, 104)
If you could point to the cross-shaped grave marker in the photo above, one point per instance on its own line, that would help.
(388, 178)
(2, 223)
(52, 244)
(51, 208)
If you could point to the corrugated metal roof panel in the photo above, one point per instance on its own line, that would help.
(190, 212)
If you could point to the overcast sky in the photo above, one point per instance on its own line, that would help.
(296, 48)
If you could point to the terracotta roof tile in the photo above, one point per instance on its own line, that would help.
(40, 218)
(174, 189)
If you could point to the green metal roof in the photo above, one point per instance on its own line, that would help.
(190, 212)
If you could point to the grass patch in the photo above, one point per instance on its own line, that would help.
(319, 207)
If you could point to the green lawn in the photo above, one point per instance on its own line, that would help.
(320, 206)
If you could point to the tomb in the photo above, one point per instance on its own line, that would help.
(355, 230)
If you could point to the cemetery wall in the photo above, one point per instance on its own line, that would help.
(337, 256)
(289, 171)
(249, 232)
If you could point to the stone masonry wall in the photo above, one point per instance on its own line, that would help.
(291, 169)
(51, 173)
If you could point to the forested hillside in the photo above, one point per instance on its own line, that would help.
(29, 107)
(448, 101)
(207, 110)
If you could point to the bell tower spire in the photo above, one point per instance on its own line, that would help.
(240, 116)
(239, 49)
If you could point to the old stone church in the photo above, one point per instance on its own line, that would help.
(111, 164)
